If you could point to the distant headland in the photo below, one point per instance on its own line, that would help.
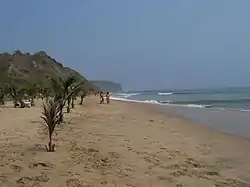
(107, 85)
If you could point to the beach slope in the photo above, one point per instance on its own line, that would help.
(121, 144)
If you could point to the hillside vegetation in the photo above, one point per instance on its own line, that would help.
(37, 68)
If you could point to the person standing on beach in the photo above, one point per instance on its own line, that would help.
(102, 98)
(108, 98)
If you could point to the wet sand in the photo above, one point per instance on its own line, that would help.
(231, 121)
(122, 144)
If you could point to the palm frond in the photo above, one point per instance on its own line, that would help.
(67, 84)
(57, 89)
(32, 90)
(76, 88)
(69, 81)
(56, 85)
(50, 114)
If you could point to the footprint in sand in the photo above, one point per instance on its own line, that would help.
(75, 183)
(114, 154)
(42, 164)
(193, 163)
(3, 179)
(231, 182)
(152, 160)
(16, 168)
(179, 185)
(32, 181)
(166, 178)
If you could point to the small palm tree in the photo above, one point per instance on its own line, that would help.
(63, 90)
(72, 98)
(17, 95)
(71, 95)
(73, 102)
(69, 100)
(2, 94)
(68, 105)
(82, 95)
(21, 93)
(50, 115)
(45, 93)
(12, 92)
(76, 93)
(32, 91)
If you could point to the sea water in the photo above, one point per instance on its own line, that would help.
(225, 109)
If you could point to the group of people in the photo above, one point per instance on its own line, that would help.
(107, 96)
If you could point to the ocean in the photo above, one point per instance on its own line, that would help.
(223, 98)
(224, 109)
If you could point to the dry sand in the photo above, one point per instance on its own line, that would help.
(122, 144)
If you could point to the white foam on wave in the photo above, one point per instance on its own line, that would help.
(151, 101)
(198, 106)
(245, 110)
(167, 93)
(209, 107)
(159, 103)
(127, 95)
(135, 101)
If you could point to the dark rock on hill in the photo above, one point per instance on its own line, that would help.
(36, 68)
(108, 86)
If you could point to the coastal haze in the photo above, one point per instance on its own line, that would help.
(142, 45)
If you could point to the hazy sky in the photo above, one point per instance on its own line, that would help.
(143, 44)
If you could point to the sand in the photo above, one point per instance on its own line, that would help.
(121, 144)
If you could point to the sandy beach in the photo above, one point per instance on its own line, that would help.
(121, 144)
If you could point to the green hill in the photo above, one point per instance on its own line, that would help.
(37, 68)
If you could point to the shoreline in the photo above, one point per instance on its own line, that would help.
(122, 144)
(204, 107)
(188, 121)
(233, 122)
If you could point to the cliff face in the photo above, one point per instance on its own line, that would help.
(107, 86)
(36, 68)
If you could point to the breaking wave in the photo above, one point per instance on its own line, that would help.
(167, 93)
(225, 101)
(127, 95)
(160, 102)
